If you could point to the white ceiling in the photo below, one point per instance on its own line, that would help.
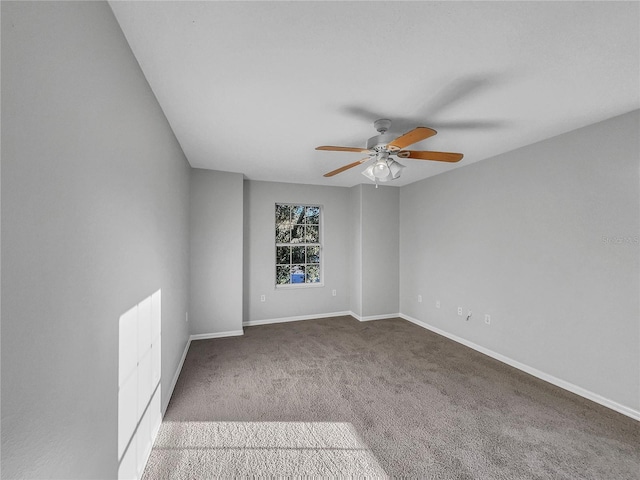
(254, 87)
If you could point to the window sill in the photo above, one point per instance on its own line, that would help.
(293, 286)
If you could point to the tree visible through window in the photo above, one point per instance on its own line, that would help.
(298, 246)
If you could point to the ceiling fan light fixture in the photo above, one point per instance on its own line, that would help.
(389, 171)
(368, 172)
(381, 169)
(395, 169)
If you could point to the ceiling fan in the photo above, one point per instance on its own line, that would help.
(381, 147)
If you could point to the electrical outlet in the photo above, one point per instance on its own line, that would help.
(437, 303)
(459, 311)
(263, 298)
(333, 292)
(419, 298)
(487, 319)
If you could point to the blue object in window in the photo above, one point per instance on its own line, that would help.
(297, 277)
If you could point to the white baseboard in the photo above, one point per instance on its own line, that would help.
(205, 336)
(176, 375)
(374, 317)
(252, 323)
(628, 411)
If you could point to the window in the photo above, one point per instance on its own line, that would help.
(298, 246)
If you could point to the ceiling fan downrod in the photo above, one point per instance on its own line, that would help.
(382, 125)
(379, 142)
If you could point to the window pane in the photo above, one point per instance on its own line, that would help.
(282, 255)
(283, 224)
(297, 274)
(297, 234)
(313, 273)
(312, 215)
(283, 275)
(297, 214)
(283, 234)
(313, 254)
(297, 255)
(312, 234)
(283, 214)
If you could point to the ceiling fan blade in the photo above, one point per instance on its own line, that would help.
(409, 138)
(437, 156)
(342, 149)
(346, 167)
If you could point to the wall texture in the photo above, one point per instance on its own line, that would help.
(216, 223)
(355, 258)
(545, 240)
(260, 198)
(379, 250)
(94, 220)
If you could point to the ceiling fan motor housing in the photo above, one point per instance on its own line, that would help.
(379, 142)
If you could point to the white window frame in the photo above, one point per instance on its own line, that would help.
(320, 244)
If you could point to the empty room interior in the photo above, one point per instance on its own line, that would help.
(320, 239)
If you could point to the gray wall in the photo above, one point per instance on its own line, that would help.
(94, 220)
(530, 237)
(355, 240)
(216, 225)
(379, 249)
(260, 198)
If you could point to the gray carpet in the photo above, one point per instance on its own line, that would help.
(328, 397)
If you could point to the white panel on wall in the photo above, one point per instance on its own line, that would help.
(144, 382)
(156, 315)
(143, 442)
(156, 359)
(128, 468)
(127, 411)
(139, 405)
(156, 339)
(155, 416)
(144, 327)
(128, 338)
